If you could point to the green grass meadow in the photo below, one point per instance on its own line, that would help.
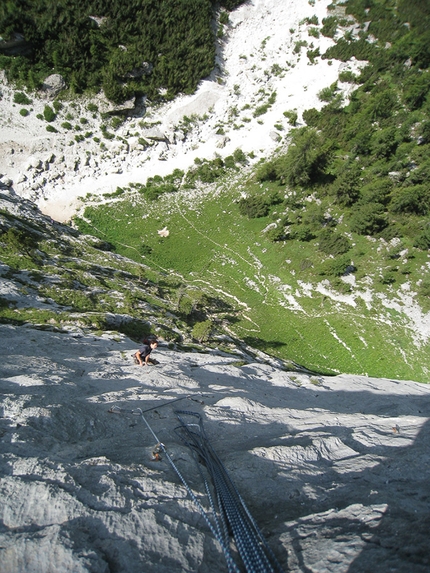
(271, 288)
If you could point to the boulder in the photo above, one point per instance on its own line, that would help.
(179, 135)
(275, 136)
(154, 133)
(53, 85)
(106, 106)
(21, 178)
(33, 163)
(221, 141)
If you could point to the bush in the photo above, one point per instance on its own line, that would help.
(239, 156)
(291, 117)
(202, 331)
(302, 233)
(58, 106)
(333, 243)
(24, 112)
(299, 45)
(368, 219)
(423, 240)
(19, 240)
(416, 89)
(425, 131)
(67, 125)
(327, 94)
(336, 267)
(424, 289)
(378, 191)
(310, 117)
(329, 27)
(254, 206)
(267, 172)
(307, 157)
(49, 113)
(346, 187)
(276, 234)
(414, 200)
(21, 98)
(347, 77)
(185, 305)
(312, 54)
(51, 129)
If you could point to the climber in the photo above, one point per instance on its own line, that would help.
(142, 356)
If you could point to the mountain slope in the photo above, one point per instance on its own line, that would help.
(334, 470)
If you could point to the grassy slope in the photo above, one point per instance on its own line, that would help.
(215, 249)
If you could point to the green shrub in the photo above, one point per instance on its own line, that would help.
(422, 241)
(299, 45)
(254, 206)
(424, 288)
(327, 94)
(51, 129)
(388, 277)
(276, 234)
(267, 172)
(19, 240)
(202, 331)
(117, 122)
(333, 243)
(292, 117)
(224, 18)
(229, 162)
(368, 219)
(306, 158)
(345, 49)
(107, 134)
(313, 54)
(58, 106)
(346, 187)
(21, 98)
(414, 200)
(347, 77)
(329, 27)
(92, 107)
(416, 89)
(312, 20)
(336, 267)
(261, 110)
(301, 233)
(185, 305)
(24, 112)
(310, 117)
(67, 125)
(49, 113)
(239, 156)
(378, 191)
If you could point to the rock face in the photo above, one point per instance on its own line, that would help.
(335, 471)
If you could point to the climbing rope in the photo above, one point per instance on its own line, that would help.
(231, 565)
(253, 549)
(228, 514)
